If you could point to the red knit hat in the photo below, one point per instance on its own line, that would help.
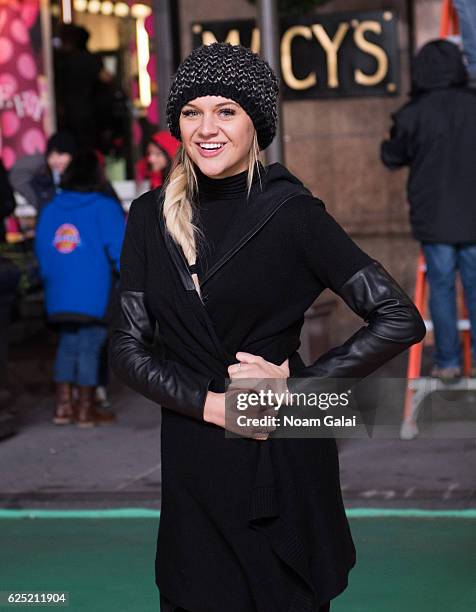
(166, 142)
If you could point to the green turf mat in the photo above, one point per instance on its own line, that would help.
(105, 565)
(404, 564)
(412, 565)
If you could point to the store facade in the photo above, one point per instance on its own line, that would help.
(23, 87)
(344, 70)
(34, 40)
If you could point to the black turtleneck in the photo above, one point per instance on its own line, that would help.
(218, 202)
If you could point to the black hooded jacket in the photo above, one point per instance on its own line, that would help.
(435, 134)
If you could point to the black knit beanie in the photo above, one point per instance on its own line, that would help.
(62, 142)
(231, 71)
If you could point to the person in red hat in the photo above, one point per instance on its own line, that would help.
(156, 164)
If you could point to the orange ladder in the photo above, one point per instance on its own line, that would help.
(449, 19)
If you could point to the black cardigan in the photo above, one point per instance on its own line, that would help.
(248, 525)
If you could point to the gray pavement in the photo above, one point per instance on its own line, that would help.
(46, 466)
(119, 462)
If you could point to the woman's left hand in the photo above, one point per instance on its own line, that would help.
(256, 367)
(253, 373)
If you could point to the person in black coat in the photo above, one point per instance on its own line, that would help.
(78, 74)
(9, 273)
(38, 177)
(224, 260)
(434, 134)
(7, 200)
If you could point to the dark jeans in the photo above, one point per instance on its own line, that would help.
(442, 262)
(78, 354)
(168, 606)
(467, 22)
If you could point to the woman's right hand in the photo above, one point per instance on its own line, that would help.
(226, 417)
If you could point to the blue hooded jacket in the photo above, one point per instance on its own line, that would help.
(78, 243)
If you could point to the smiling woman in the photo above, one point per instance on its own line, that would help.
(225, 259)
(217, 135)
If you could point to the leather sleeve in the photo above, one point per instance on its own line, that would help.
(394, 324)
(135, 361)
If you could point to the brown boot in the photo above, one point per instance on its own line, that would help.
(64, 412)
(103, 407)
(88, 415)
(85, 409)
(104, 417)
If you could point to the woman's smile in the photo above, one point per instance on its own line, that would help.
(210, 149)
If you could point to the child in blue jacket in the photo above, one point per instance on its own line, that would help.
(78, 242)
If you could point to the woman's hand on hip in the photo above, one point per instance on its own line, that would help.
(255, 367)
(251, 373)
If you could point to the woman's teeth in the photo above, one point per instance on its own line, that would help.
(211, 145)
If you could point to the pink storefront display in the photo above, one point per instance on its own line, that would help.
(21, 81)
